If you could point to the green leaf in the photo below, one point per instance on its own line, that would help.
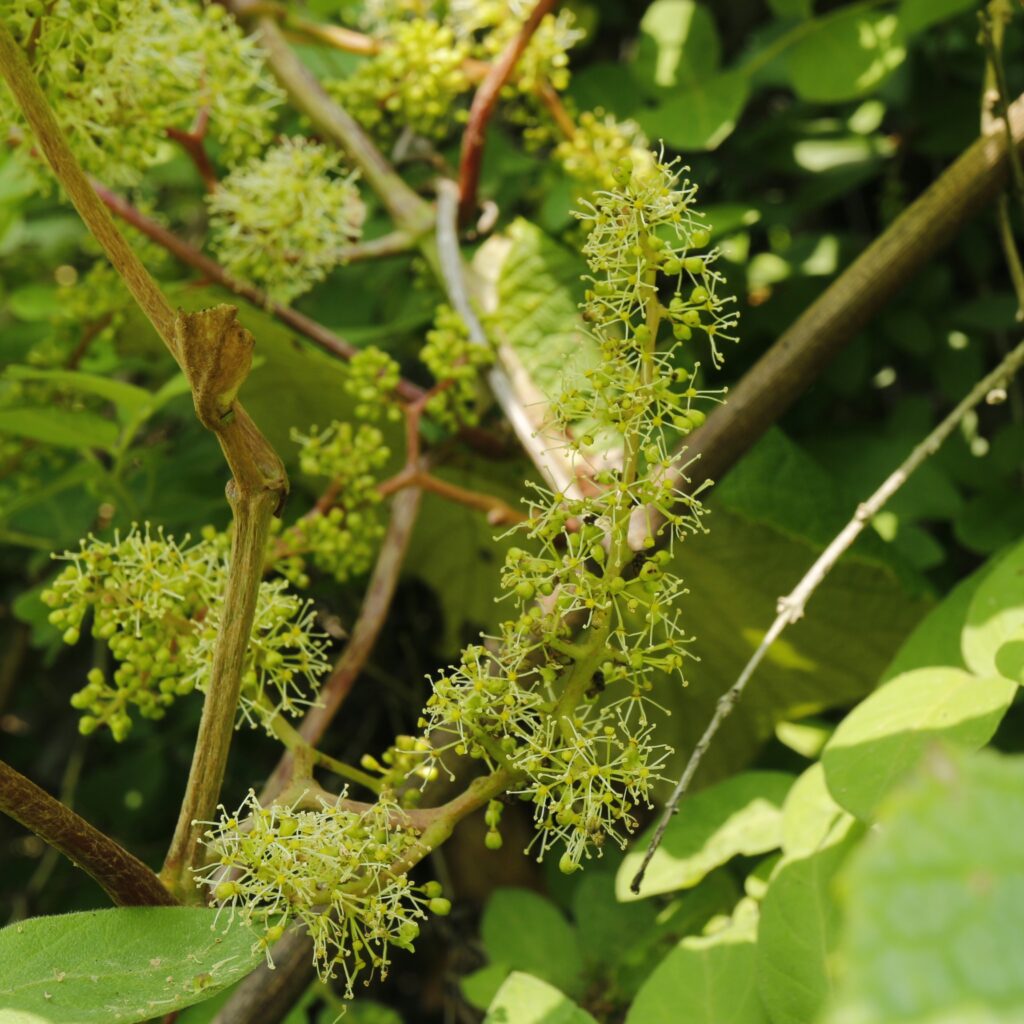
(934, 900)
(481, 986)
(533, 302)
(33, 302)
(527, 1000)
(741, 816)
(844, 55)
(994, 629)
(917, 15)
(124, 965)
(705, 980)
(59, 427)
(128, 398)
(702, 116)
(685, 42)
(792, 8)
(798, 931)
(936, 640)
(528, 933)
(885, 735)
(810, 815)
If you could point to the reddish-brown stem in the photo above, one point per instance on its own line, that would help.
(484, 101)
(499, 513)
(379, 592)
(212, 270)
(89, 334)
(125, 879)
(556, 108)
(192, 143)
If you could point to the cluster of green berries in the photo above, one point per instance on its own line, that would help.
(157, 604)
(119, 73)
(455, 363)
(597, 148)
(408, 759)
(371, 380)
(415, 83)
(491, 24)
(335, 870)
(569, 717)
(283, 219)
(341, 535)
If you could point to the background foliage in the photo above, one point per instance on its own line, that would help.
(775, 897)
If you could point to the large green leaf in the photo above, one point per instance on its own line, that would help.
(741, 816)
(59, 427)
(885, 735)
(702, 116)
(128, 398)
(993, 636)
(525, 932)
(937, 638)
(527, 1000)
(810, 815)
(797, 932)
(533, 300)
(705, 980)
(935, 898)
(685, 43)
(917, 15)
(118, 966)
(845, 54)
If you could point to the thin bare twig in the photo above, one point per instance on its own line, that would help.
(791, 608)
(485, 100)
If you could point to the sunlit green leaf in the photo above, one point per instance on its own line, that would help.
(885, 735)
(844, 55)
(524, 999)
(740, 816)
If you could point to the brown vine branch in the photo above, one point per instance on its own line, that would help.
(784, 372)
(215, 353)
(791, 608)
(485, 99)
(125, 879)
(209, 268)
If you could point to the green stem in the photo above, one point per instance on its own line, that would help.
(306, 754)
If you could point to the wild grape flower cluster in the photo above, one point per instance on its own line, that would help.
(455, 362)
(421, 79)
(597, 147)
(371, 380)
(283, 219)
(340, 535)
(569, 717)
(414, 83)
(492, 23)
(157, 604)
(119, 73)
(331, 868)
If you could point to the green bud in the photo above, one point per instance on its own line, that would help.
(440, 906)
